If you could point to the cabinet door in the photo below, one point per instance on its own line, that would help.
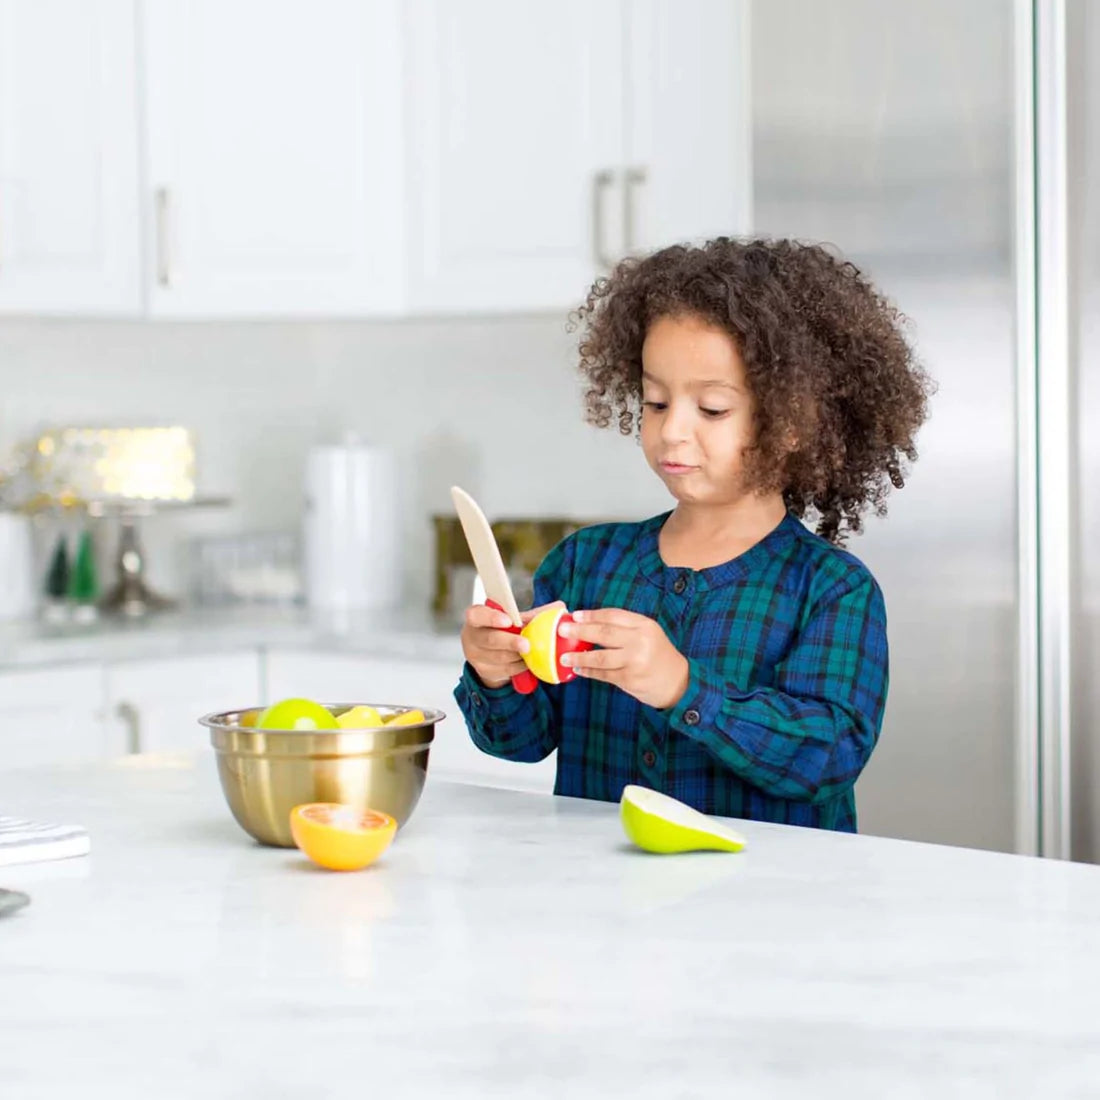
(273, 130)
(155, 705)
(689, 170)
(516, 131)
(53, 716)
(69, 209)
(347, 678)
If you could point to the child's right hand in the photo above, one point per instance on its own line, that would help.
(492, 652)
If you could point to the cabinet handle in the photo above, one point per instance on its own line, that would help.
(128, 713)
(601, 181)
(635, 177)
(160, 199)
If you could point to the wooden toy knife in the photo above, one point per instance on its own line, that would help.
(490, 568)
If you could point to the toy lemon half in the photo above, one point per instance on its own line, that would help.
(542, 633)
(547, 646)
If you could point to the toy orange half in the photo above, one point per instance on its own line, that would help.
(341, 838)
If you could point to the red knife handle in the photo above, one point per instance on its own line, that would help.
(526, 681)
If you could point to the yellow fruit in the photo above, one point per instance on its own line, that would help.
(542, 633)
(296, 714)
(361, 717)
(661, 824)
(407, 718)
(341, 838)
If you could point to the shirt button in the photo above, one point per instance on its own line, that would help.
(476, 700)
(679, 585)
(691, 717)
(649, 758)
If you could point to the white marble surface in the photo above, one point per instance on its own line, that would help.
(512, 945)
(405, 632)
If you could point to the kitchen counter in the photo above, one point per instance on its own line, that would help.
(513, 945)
(399, 633)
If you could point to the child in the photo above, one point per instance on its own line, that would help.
(741, 660)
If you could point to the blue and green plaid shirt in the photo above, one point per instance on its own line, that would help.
(788, 674)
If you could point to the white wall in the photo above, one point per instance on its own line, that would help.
(491, 404)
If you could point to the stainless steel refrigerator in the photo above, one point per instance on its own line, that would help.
(952, 149)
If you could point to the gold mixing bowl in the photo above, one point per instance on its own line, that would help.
(266, 773)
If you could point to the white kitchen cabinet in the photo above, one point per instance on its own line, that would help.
(250, 158)
(515, 114)
(688, 172)
(69, 194)
(351, 678)
(274, 137)
(547, 141)
(54, 716)
(154, 705)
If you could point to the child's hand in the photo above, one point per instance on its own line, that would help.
(636, 655)
(491, 651)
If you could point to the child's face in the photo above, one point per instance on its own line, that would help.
(697, 411)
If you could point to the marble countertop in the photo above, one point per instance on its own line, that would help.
(403, 632)
(513, 945)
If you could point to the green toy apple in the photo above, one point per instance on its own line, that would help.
(296, 714)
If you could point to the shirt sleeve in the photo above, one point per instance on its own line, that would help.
(807, 735)
(501, 721)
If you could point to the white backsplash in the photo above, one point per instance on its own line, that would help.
(491, 404)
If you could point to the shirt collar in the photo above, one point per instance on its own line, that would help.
(654, 568)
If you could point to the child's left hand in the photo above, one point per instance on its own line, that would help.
(636, 655)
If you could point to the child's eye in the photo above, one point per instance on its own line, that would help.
(656, 406)
(713, 413)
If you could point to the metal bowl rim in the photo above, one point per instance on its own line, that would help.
(215, 720)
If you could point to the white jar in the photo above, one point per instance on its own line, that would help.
(351, 528)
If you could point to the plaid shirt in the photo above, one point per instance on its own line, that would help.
(786, 646)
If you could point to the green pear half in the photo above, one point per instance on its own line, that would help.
(661, 824)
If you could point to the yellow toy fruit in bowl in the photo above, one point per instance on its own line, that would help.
(296, 714)
(407, 718)
(658, 823)
(339, 837)
(360, 717)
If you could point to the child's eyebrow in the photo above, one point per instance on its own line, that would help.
(698, 383)
(717, 383)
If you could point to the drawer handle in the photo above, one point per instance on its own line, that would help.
(128, 714)
(601, 181)
(164, 271)
(634, 177)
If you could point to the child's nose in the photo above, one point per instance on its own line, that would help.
(677, 424)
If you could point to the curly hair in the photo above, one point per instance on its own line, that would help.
(838, 392)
